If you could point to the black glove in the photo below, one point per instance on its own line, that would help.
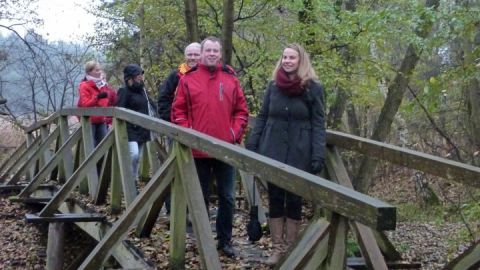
(317, 166)
(102, 95)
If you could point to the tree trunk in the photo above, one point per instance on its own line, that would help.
(191, 21)
(334, 118)
(141, 47)
(393, 100)
(227, 30)
(473, 99)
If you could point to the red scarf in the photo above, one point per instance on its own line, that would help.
(289, 87)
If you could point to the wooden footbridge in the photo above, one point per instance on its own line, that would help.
(57, 160)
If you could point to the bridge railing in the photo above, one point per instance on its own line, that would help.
(74, 163)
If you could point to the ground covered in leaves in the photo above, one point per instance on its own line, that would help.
(431, 240)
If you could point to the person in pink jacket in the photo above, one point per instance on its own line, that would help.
(95, 92)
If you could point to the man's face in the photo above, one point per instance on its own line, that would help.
(211, 53)
(192, 56)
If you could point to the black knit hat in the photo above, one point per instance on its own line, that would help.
(131, 71)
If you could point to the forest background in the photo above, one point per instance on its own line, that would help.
(404, 72)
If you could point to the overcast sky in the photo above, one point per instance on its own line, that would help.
(63, 19)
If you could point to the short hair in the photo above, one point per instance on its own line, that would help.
(90, 65)
(195, 45)
(212, 39)
(305, 70)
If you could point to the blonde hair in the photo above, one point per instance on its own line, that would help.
(305, 70)
(90, 65)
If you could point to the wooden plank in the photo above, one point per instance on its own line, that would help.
(146, 224)
(368, 245)
(83, 187)
(124, 252)
(87, 165)
(159, 182)
(349, 203)
(178, 224)
(15, 188)
(56, 236)
(388, 249)
(30, 141)
(31, 200)
(196, 205)
(448, 169)
(13, 157)
(319, 255)
(87, 217)
(52, 163)
(88, 147)
(469, 259)
(105, 178)
(31, 148)
(124, 161)
(44, 134)
(35, 155)
(68, 162)
(359, 263)
(48, 120)
(115, 185)
(316, 231)
(337, 255)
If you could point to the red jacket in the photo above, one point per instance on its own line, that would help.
(211, 102)
(88, 98)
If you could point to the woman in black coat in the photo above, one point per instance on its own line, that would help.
(133, 96)
(290, 128)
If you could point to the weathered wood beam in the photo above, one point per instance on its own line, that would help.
(56, 237)
(32, 218)
(35, 156)
(469, 259)
(52, 163)
(124, 161)
(354, 205)
(196, 205)
(31, 148)
(88, 147)
(13, 157)
(68, 159)
(77, 176)
(105, 178)
(303, 250)
(178, 221)
(160, 181)
(48, 120)
(124, 252)
(365, 236)
(115, 185)
(448, 169)
(337, 255)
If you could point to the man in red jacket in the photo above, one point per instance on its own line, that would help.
(210, 99)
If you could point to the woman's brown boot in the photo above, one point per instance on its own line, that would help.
(276, 232)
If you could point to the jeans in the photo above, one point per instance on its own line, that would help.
(224, 174)
(99, 131)
(283, 203)
(136, 150)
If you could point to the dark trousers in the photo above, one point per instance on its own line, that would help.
(99, 131)
(224, 175)
(283, 203)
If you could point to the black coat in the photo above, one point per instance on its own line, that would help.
(291, 129)
(166, 93)
(136, 101)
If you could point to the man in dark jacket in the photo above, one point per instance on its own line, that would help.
(210, 99)
(133, 96)
(166, 92)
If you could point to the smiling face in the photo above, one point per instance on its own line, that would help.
(290, 60)
(211, 53)
(192, 56)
